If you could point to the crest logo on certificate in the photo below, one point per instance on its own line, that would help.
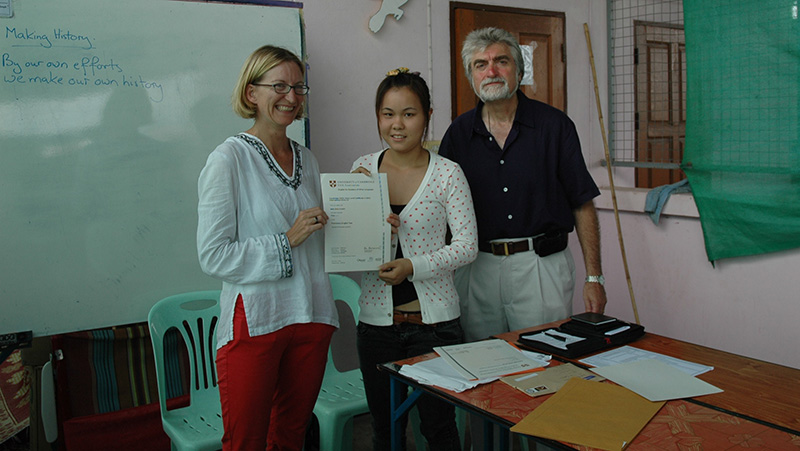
(357, 236)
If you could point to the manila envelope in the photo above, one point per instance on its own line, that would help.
(550, 380)
(594, 414)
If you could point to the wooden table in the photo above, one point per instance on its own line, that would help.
(759, 407)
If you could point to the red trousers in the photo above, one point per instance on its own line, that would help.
(268, 384)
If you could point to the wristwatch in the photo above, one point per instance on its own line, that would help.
(596, 279)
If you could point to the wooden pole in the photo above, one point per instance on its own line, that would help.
(610, 175)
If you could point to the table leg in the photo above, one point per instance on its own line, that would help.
(400, 409)
(488, 435)
(504, 438)
(489, 427)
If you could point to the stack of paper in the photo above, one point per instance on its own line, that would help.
(626, 354)
(486, 359)
(442, 372)
(439, 373)
(656, 381)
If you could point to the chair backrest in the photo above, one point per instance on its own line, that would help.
(194, 316)
(348, 291)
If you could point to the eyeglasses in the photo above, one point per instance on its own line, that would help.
(283, 88)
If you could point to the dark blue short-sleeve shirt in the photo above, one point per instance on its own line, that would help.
(534, 183)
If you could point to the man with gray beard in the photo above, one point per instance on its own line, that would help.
(531, 188)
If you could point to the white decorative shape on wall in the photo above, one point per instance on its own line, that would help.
(527, 58)
(387, 7)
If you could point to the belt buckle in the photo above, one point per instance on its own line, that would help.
(496, 248)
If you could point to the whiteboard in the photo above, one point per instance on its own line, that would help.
(108, 111)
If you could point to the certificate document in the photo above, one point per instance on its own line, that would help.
(357, 236)
(486, 358)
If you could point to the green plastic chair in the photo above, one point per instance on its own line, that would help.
(197, 426)
(342, 396)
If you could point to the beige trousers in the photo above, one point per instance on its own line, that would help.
(503, 293)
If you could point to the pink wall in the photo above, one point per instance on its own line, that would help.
(747, 306)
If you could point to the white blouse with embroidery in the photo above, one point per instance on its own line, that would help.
(246, 205)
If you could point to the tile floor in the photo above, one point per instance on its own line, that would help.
(362, 436)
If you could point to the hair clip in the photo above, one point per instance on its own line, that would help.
(400, 70)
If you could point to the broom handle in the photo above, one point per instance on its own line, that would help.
(610, 175)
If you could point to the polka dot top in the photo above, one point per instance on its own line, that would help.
(442, 200)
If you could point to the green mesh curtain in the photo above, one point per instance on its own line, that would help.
(743, 105)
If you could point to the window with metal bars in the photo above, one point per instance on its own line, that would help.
(647, 89)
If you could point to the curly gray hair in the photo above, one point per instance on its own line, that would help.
(478, 40)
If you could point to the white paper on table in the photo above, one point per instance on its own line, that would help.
(357, 236)
(656, 380)
(486, 358)
(540, 359)
(625, 354)
(438, 372)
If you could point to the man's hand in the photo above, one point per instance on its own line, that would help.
(588, 229)
(594, 297)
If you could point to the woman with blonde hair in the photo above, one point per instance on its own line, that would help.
(258, 221)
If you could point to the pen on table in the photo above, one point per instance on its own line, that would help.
(557, 337)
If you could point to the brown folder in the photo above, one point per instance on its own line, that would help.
(595, 414)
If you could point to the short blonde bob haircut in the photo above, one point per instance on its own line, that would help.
(257, 64)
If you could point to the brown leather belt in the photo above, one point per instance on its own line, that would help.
(543, 244)
(407, 317)
(506, 247)
(401, 317)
